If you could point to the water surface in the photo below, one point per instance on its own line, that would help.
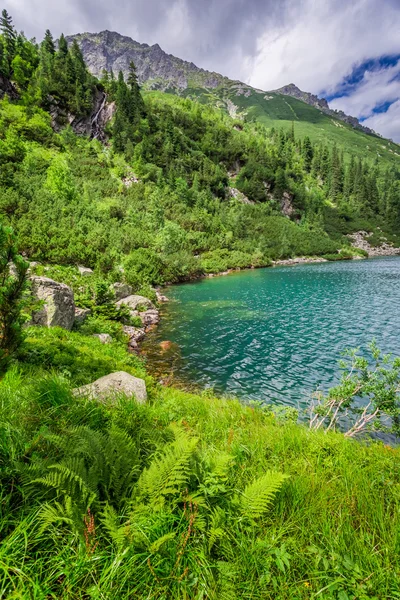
(277, 334)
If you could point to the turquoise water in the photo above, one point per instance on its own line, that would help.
(277, 334)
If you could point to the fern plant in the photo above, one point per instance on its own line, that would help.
(169, 473)
(257, 496)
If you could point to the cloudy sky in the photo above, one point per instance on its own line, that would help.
(347, 51)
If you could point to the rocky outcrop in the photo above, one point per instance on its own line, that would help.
(58, 309)
(287, 207)
(360, 240)
(239, 196)
(7, 88)
(107, 389)
(322, 105)
(92, 125)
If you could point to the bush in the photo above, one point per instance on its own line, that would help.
(143, 266)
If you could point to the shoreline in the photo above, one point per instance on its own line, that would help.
(381, 252)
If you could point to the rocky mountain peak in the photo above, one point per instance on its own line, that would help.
(155, 68)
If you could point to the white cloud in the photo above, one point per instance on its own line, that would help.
(322, 40)
(377, 87)
(388, 123)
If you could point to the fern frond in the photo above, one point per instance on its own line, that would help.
(169, 473)
(156, 546)
(65, 479)
(257, 496)
(216, 529)
(57, 514)
(110, 521)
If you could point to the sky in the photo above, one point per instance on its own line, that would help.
(345, 50)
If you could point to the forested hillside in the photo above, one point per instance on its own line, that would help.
(179, 189)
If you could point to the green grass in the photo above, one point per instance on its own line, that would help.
(185, 495)
(276, 110)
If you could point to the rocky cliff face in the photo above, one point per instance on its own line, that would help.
(320, 103)
(92, 125)
(155, 68)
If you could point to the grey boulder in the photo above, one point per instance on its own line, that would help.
(113, 385)
(58, 308)
(85, 271)
(81, 314)
(150, 317)
(122, 290)
(134, 302)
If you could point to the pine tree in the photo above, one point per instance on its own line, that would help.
(336, 179)
(135, 92)
(9, 43)
(48, 42)
(62, 46)
(307, 152)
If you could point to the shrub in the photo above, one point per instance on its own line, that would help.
(13, 270)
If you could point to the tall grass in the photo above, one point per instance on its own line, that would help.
(184, 499)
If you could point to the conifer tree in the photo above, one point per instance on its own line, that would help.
(9, 43)
(48, 42)
(307, 152)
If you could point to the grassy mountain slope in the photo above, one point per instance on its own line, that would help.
(277, 110)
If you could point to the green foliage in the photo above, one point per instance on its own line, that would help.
(258, 495)
(367, 397)
(80, 358)
(187, 496)
(12, 283)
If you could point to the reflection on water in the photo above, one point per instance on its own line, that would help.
(277, 334)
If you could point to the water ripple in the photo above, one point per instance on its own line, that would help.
(277, 334)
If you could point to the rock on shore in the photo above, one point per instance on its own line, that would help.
(360, 240)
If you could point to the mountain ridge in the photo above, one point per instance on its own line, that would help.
(158, 70)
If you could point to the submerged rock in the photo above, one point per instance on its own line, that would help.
(109, 387)
(58, 308)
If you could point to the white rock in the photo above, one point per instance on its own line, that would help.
(105, 338)
(133, 302)
(111, 386)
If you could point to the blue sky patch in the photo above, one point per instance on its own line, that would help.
(356, 77)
